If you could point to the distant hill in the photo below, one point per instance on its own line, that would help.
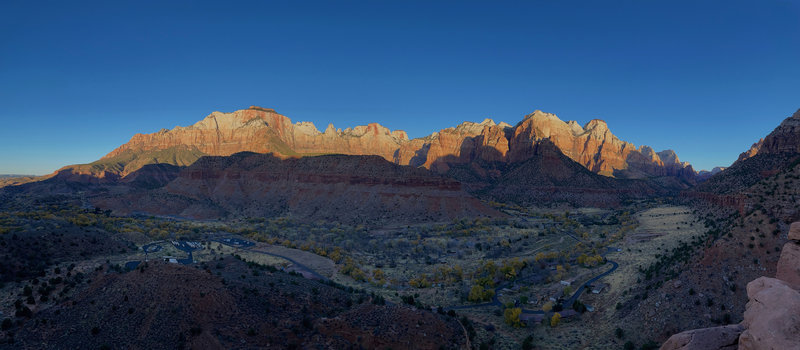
(351, 189)
(548, 176)
(703, 175)
(12, 180)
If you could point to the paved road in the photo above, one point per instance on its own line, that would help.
(247, 245)
(578, 292)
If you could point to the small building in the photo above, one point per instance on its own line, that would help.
(531, 319)
(566, 283)
(598, 287)
(170, 259)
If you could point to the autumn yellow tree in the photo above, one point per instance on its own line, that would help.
(420, 282)
(478, 293)
(511, 316)
(555, 319)
(547, 306)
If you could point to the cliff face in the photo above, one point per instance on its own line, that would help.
(263, 130)
(595, 147)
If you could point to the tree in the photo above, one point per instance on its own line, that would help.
(619, 333)
(555, 320)
(511, 316)
(527, 344)
(478, 293)
(547, 306)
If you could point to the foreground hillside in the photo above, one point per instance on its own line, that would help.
(226, 304)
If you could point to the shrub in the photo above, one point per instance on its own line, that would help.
(619, 333)
(555, 320)
(527, 344)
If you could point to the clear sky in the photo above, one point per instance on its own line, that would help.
(705, 78)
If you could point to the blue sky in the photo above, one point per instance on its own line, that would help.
(705, 78)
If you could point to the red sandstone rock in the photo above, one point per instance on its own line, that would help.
(772, 317)
(794, 231)
(714, 338)
(789, 265)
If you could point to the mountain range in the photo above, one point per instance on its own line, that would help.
(226, 162)
(262, 130)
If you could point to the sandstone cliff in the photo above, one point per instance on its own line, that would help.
(263, 130)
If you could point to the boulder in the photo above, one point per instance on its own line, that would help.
(772, 317)
(714, 338)
(789, 265)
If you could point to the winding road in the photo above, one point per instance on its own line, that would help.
(249, 246)
(567, 304)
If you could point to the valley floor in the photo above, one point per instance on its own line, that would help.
(509, 277)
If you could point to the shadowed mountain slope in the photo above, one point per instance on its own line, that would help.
(353, 189)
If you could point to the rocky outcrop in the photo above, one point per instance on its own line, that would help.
(752, 151)
(262, 130)
(789, 263)
(714, 338)
(772, 316)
